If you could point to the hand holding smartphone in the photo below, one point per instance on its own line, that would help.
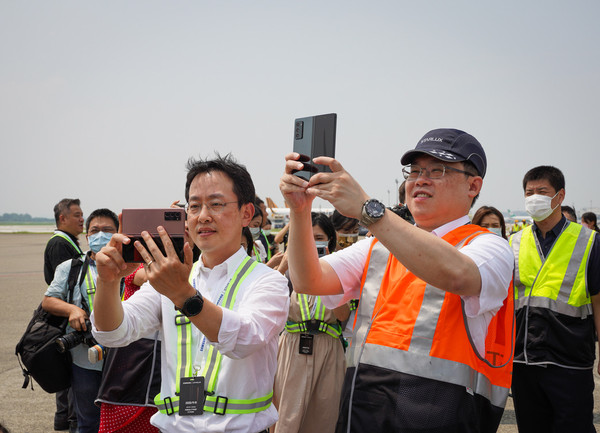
(314, 136)
(135, 221)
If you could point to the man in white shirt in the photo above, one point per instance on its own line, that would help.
(219, 318)
(432, 344)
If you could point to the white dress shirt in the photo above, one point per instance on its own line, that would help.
(247, 340)
(491, 253)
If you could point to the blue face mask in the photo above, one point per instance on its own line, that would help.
(98, 240)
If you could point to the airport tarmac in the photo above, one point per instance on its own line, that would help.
(22, 287)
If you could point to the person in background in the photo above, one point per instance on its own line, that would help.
(557, 310)
(346, 230)
(490, 218)
(310, 359)
(589, 220)
(569, 213)
(86, 375)
(62, 246)
(259, 253)
(130, 378)
(247, 242)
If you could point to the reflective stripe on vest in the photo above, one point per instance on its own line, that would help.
(66, 237)
(433, 340)
(216, 404)
(558, 281)
(308, 319)
(91, 289)
(268, 245)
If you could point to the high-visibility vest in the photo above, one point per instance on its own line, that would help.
(415, 328)
(66, 237)
(313, 321)
(558, 281)
(555, 322)
(217, 404)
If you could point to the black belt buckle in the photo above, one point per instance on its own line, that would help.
(312, 326)
(219, 398)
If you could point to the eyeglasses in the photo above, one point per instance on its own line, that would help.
(213, 207)
(434, 171)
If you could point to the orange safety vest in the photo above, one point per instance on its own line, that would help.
(415, 328)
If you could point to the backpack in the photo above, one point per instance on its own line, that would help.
(36, 351)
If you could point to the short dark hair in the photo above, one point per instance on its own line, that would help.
(484, 211)
(243, 187)
(323, 221)
(545, 172)
(569, 211)
(258, 211)
(63, 207)
(103, 212)
(340, 221)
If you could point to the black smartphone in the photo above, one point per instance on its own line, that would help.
(135, 221)
(314, 136)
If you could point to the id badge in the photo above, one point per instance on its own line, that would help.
(306, 344)
(191, 396)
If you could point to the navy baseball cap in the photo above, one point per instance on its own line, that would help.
(451, 145)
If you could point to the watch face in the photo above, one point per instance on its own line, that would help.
(193, 305)
(375, 209)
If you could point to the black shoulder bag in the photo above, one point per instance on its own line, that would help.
(36, 351)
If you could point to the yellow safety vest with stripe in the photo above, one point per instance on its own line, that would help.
(558, 281)
(313, 321)
(555, 322)
(219, 405)
(67, 238)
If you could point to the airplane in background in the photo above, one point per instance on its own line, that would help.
(280, 216)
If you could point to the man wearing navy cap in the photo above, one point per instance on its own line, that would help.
(433, 336)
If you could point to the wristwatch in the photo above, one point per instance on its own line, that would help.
(193, 305)
(372, 211)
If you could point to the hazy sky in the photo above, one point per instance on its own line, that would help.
(106, 101)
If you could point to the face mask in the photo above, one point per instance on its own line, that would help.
(255, 232)
(539, 206)
(267, 232)
(496, 230)
(347, 239)
(98, 240)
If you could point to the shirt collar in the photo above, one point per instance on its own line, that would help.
(442, 230)
(555, 230)
(229, 266)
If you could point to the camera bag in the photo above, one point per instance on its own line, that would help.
(36, 350)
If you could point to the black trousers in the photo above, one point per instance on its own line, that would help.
(389, 401)
(553, 399)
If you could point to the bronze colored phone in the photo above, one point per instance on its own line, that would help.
(135, 221)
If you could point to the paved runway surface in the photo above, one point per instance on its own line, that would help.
(21, 288)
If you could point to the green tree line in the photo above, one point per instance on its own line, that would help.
(23, 218)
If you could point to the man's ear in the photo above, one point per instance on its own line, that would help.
(561, 196)
(475, 184)
(247, 213)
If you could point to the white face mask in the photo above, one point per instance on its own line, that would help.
(539, 206)
(496, 230)
(255, 232)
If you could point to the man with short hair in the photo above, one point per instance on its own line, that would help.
(432, 346)
(219, 318)
(557, 303)
(64, 245)
(86, 376)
